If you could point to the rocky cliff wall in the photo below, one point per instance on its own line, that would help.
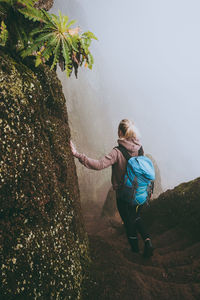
(177, 208)
(42, 239)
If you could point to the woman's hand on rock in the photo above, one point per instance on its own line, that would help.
(73, 149)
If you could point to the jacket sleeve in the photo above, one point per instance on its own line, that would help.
(100, 164)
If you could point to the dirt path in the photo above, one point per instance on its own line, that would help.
(118, 274)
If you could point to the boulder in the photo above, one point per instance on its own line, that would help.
(176, 208)
(43, 244)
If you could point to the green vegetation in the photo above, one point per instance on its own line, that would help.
(3, 34)
(30, 32)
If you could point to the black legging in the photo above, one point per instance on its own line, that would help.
(131, 218)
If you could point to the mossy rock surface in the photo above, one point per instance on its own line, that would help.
(45, 4)
(42, 238)
(179, 207)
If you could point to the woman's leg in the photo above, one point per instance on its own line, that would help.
(128, 215)
(140, 225)
(148, 248)
(133, 223)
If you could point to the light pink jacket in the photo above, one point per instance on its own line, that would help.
(115, 159)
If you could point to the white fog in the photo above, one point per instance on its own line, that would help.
(147, 68)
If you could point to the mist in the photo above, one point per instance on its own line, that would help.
(147, 68)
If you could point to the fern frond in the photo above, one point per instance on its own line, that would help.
(36, 31)
(33, 14)
(65, 20)
(30, 50)
(65, 52)
(90, 35)
(87, 42)
(38, 61)
(72, 22)
(44, 37)
(53, 42)
(66, 55)
(73, 41)
(3, 34)
(26, 2)
(46, 52)
(56, 21)
(49, 27)
(90, 61)
(56, 53)
(84, 46)
(60, 16)
(48, 16)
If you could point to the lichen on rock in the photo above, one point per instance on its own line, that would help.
(45, 4)
(42, 238)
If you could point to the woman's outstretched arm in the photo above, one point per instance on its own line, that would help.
(95, 164)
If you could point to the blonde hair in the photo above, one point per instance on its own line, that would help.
(126, 129)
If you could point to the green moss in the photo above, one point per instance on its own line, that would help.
(43, 242)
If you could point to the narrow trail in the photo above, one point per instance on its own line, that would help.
(117, 273)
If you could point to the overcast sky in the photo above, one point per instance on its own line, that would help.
(147, 68)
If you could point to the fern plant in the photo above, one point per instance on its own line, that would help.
(47, 37)
(56, 40)
(3, 34)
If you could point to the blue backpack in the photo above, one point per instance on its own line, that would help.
(138, 180)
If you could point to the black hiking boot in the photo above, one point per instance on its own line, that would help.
(148, 249)
(133, 241)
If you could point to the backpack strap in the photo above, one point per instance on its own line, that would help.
(127, 156)
(125, 153)
(141, 151)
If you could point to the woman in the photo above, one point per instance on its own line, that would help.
(130, 214)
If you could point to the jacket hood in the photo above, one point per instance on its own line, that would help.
(132, 145)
